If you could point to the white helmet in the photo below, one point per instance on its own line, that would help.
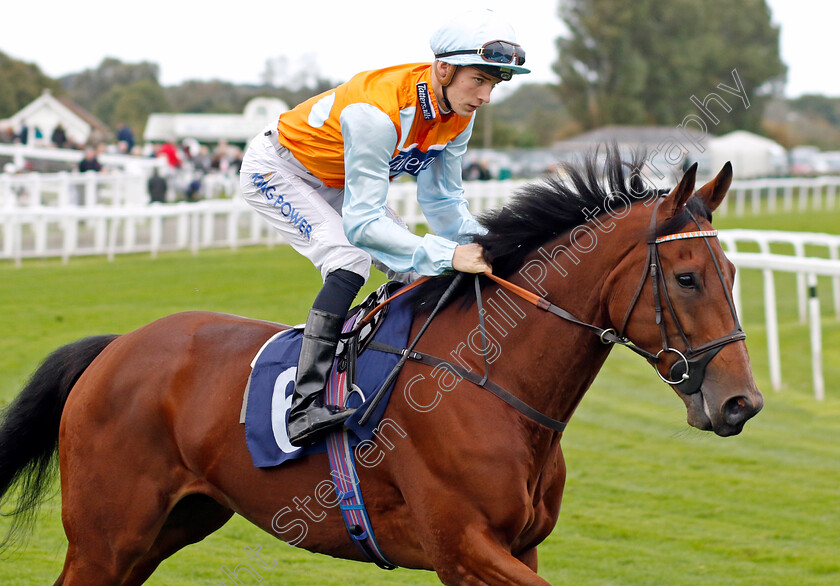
(482, 39)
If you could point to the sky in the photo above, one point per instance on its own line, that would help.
(232, 41)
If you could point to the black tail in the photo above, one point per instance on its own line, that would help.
(29, 429)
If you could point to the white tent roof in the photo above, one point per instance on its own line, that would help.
(751, 155)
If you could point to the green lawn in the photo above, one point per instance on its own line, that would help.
(648, 499)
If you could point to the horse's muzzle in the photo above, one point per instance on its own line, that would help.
(737, 410)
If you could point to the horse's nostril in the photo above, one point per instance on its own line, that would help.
(736, 410)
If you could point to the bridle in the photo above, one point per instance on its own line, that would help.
(687, 373)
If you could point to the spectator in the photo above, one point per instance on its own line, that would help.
(90, 162)
(7, 135)
(157, 187)
(203, 161)
(124, 135)
(190, 147)
(169, 151)
(477, 171)
(193, 191)
(59, 136)
(23, 135)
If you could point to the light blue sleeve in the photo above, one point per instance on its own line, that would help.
(441, 194)
(369, 141)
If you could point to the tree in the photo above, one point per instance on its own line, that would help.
(118, 92)
(809, 119)
(20, 83)
(89, 86)
(641, 62)
(131, 104)
(818, 105)
(530, 116)
(208, 97)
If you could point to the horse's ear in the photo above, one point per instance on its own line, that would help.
(677, 199)
(715, 190)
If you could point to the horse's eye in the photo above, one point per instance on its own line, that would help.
(686, 280)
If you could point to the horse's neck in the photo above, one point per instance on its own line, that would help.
(550, 362)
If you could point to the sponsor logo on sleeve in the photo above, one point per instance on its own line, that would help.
(425, 101)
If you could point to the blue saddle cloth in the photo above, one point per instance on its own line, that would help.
(272, 383)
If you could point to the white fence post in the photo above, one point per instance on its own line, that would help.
(772, 322)
(812, 267)
(788, 197)
(816, 339)
(801, 285)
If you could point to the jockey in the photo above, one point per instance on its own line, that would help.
(320, 177)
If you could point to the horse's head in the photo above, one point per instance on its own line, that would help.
(663, 280)
(681, 310)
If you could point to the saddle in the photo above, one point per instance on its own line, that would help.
(358, 373)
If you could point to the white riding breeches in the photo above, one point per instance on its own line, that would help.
(304, 210)
(299, 206)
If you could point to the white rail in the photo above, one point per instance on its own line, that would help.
(811, 268)
(39, 231)
(108, 224)
(72, 189)
(786, 194)
(20, 153)
(797, 241)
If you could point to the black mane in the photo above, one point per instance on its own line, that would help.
(549, 207)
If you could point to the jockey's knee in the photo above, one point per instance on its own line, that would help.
(348, 258)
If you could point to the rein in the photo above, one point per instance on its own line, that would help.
(686, 374)
(433, 361)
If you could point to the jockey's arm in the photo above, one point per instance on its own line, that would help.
(369, 141)
(440, 193)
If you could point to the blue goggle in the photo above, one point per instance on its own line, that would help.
(496, 52)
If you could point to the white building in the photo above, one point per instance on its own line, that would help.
(47, 111)
(213, 128)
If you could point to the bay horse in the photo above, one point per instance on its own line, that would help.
(152, 456)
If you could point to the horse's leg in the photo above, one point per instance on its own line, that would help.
(118, 485)
(477, 557)
(529, 558)
(193, 518)
(106, 539)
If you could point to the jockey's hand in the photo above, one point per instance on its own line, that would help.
(469, 258)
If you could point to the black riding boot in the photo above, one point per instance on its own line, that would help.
(309, 416)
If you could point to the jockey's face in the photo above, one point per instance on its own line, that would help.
(469, 89)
